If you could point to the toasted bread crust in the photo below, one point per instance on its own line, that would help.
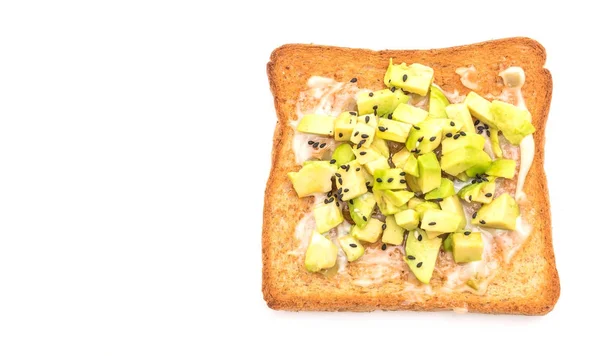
(528, 285)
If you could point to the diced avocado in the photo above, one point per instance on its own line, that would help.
(421, 254)
(343, 126)
(448, 126)
(327, 216)
(467, 246)
(501, 213)
(351, 247)
(370, 120)
(343, 154)
(320, 254)
(473, 284)
(361, 208)
(392, 178)
(470, 192)
(486, 194)
(430, 174)
(386, 206)
(392, 130)
(434, 234)
(412, 166)
(380, 146)
(425, 137)
(462, 159)
(409, 114)
(478, 168)
(495, 143)
(469, 140)
(392, 234)
(369, 232)
(312, 178)
(414, 202)
(399, 158)
(423, 207)
(382, 102)
(407, 219)
(460, 113)
(504, 168)
(398, 197)
(352, 181)
(413, 183)
(463, 177)
(440, 221)
(480, 108)
(514, 123)
(379, 163)
(362, 135)
(366, 154)
(453, 205)
(445, 189)
(317, 124)
(447, 244)
(415, 78)
(437, 103)
(369, 180)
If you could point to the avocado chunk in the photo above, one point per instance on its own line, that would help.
(343, 154)
(312, 178)
(361, 208)
(350, 180)
(430, 174)
(462, 159)
(421, 254)
(398, 197)
(501, 167)
(470, 192)
(501, 213)
(392, 233)
(392, 178)
(514, 123)
(407, 219)
(469, 140)
(366, 154)
(463, 177)
(445, 189)
(317, 124)
(380, 146)
(351, 247)
(386, 206)
(414, 202)
(495, 143)
(380, 163)
(460, 113)
(480, 108)
(368, 233)
(343, 126)
(467, 246)
(399, 158)
(440, 221)
(448, 126)
(370, 120)
(320, 254)
(478, 168)
(447, 244)
(381, 102)
(409, 114)
(412, 166)
(413, 183)
(453, 205)
(327, 216)
(392, 130)
(362, 135)
(437, 103)
(486, 194)
(415, 78)
(425, 137)
(423, 207)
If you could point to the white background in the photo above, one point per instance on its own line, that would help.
(135, 142)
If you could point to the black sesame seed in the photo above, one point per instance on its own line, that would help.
(477, 122)
(487, 133)
(432, 223)
(448, 134)
(351, 201)
(390, 180)
(353, 80)
(384, 226)
(340, 181)
(367, 118)
(482, 222)
(420, 238)
(474, 215)
(484, 179)
(363, 153)
(486, 126)
(375, 107)
(379, 180)
(329, 194)
(362, 142)
(390, 116)
(332, 161)
(470, 198)
(420, 139)
(343, 166)
(456, 136)
(410, 257)
(402, 181)
(432, 138)
(323, 145)
(338, 175)
(364, 218)
(359, 146)
(371, 94)
(326, 201)
(402, 174)
(417, 150)
(417, 127)
(346, 190)
(467, 233)
(382, 129)
(353, 245)
(419, 264)
(337, 203)
(404, 77)
(311, 142)
(364, 136)
(356, 133)
(383, 247)
(393, 89)
(340, 134)
(316, 145)
(489, 195)
(452, 123)
(353, 113)
(462, 133)
(358, 169)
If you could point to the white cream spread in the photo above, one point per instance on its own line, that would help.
(468, 77)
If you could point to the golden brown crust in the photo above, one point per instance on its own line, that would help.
(529, 285)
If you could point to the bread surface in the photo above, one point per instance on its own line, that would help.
(529, 284)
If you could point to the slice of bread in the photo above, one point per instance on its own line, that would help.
(529, 284)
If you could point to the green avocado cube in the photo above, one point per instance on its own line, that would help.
(470, 192)
(425, 137)
(385, 204)
(351, 180)
(361, 208)
(351, 247)
(327, 216)
(407, 219)
(392, 178)
(412, 166)
(453, 205)
(423, 207)
(370, 120)
(382, 102)
(470, 140)
(362, 135)
(392, 130)
(514, 123)
(504, 168)
(462, 159)
(369, 232)
(409, 114)
(320, 254)
(421, 254)
(343, 126)
(415, 78)
(440, 221)
(467, 246)
(380, 146)
(392, 233)
(312, 178)
(480, 108)
(343, 154)
(437, 103)
(398, 197)
(495, 143)
(430, 173)
(445, 189)
(366, 154)
(317, 124)
(460, 113)
(399, 158)
(380, 163)
(501, 213)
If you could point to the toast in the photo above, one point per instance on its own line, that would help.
(528, 284)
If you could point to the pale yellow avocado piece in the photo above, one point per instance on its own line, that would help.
(453, 205)
(351, 247)
(495, 143)
(381, 101)
(501, 213)
(437, 103)
(362, 135)
(327, 216)
(368, 233)
(480, 108)
(460, 113)
(343, 126)
(469, 140)
(370, 120)
(421, 254)
(412, 166)
(398, 197)
(393, 130)
(385, 204)
(415, 78)
(392, 234)
(425, 137)
(423, 207)
(462, 159)
(320, 254)
(502, 167)
(467, 246)
(414, 202)
(380, 146)
(409, 114)
(348, 177)
(440, 221)
(313, 178)
(430, 173)
(399, 158)
(317, 124)
(366, 154)
(380, 163)
(514, 123)
(407, 219)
